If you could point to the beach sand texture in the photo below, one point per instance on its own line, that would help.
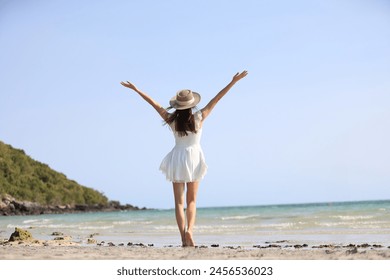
(68, 250)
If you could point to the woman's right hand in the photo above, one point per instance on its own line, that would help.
(129, 85)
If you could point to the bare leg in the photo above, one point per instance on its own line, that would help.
(192, 190)
(178, 191)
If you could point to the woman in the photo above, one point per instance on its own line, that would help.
(185, 164)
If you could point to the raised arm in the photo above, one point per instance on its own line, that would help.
(162, 112)
(210, 106)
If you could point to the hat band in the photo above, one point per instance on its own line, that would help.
(184, 103)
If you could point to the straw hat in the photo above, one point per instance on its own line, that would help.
(185, 99)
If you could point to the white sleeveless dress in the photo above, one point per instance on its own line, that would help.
(186, 161)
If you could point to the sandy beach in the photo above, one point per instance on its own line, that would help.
(343, 231)
(68, 250)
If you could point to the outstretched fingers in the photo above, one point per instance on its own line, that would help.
(128, 85)
(239, 75)
(243, 74)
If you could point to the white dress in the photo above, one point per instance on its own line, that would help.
(185, 162)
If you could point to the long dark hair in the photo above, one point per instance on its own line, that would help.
(183, 120)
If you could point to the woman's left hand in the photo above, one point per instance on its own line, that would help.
(239, 76)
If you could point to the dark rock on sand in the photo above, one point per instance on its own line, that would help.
(91, 241)
(232, 247)
(326, 246)
(297, 246)
(279, 241)
(353, 251)
(136, 244)
(20, 235)
(63, 238)
(350, 245)
(269, 246)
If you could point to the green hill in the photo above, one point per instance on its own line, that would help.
(29, 180)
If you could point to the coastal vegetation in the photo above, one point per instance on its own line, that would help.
(26, 179)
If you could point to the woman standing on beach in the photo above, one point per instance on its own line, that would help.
(185, 164)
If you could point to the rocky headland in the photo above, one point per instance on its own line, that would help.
(30, 187)
(10, 206)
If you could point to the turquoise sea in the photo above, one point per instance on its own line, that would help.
(313, 224)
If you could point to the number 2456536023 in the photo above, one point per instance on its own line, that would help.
(241, 270)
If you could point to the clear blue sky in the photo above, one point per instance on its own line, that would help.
(310, 123)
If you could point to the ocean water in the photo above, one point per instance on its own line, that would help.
(313, 224)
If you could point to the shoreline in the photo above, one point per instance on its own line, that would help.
(66, 249)
(345, 231)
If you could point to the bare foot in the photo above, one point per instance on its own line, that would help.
(189, 241)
